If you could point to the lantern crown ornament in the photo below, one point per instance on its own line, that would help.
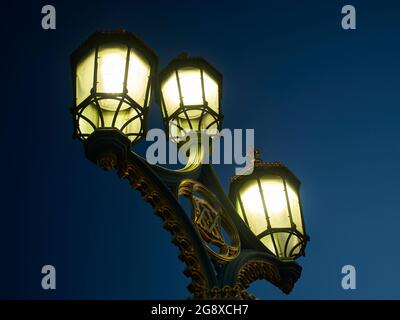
(113, 74)
(190, 93)
(268, 201)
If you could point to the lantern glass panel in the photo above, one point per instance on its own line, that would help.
(84, 77)
(211, 92)
(170, 92)
(275, 200)
(253, 207)
(138, 78)
(269, 243)
(111, 69)
(295, 208)
(191, 85)
(89, 113)
(191, 88)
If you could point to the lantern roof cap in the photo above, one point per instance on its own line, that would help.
(184, 60)
(115, 36)
(261, 167)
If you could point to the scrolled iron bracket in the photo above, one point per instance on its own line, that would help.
(223, 274)
(252, 265)
(210, 219)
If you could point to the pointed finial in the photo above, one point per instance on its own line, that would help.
(183, 55)
(257, 158)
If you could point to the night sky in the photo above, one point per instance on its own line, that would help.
(322, 100)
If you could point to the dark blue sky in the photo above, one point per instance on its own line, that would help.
(322, 100)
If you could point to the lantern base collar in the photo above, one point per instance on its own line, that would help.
(107, 147)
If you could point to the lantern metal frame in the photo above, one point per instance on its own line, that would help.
(131, 41)
(277, 169)
(240, 258)
(183, 61)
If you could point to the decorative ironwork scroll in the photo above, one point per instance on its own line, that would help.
(210, 219)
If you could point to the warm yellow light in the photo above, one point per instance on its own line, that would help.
(273, 193)
(295, 208)
(270, 198)
(252, 200)
(253, 208)
(275, 200)
(112, 70)
(138, 78)
(191, 87)
(211, 92)
(110, 79)
(170, 94)
(268, 202)
(84, 77)
(190, 100)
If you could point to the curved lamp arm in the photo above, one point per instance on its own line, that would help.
(215, 275)
(254, 265)
(111, 149)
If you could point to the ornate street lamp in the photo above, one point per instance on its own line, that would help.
(268, 201)
(113, 74)
(226, 243)
(190, 97)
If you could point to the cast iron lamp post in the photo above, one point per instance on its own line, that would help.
(226, 243)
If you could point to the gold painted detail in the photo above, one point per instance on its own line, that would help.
(152, 194)
(107, 162)
(210, 219)
(257, 270)
(251, 271)
(228, 293)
